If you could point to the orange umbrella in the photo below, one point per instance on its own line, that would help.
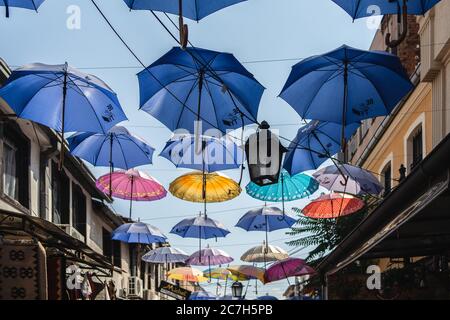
(334, 205)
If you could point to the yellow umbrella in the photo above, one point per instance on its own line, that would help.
(248, 271)
(224, 274)
(186, 274)
(205, 187)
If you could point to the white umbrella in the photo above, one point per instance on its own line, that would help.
(165, 255)
(264, 253)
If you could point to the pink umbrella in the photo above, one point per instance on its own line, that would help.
(131, 185)
(290, 267)
(209, 257)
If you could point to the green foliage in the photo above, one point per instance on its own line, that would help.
(322, 234)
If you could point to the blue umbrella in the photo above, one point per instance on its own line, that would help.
(25, 4)
(216, 154)
(62, 98)
(200, 228)
(346, 85)
(138, 232)
(265, 219)
(202, 295)
(266, 298)
(116, 148)
(191, 9)
(185, 86)
(315, 142)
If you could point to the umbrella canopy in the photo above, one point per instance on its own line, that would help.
(289, 188)
(216, 154)
(191, 9)
(334, 205)
(62, 98)
(224, 274)
(138, 232)
(248, 271)
(165, 255)
(187, 86)
(264, 253)
(116, 148)
(284, 269)
(266, 298)
(364, 8)
(265, 219)
(200, 187)
(346, 85)
(186, 274)
(200, 227)
(202, 295)
(25, 4)
(132, 185)
(315, 142)
(209, 257)
(348, 179)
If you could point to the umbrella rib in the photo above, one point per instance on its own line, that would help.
(185, 101)
(123, 154)
(137, 145)
(212, 101)
(98, 152)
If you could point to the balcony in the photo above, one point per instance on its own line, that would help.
(72, 231)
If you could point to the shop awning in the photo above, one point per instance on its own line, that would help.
(50, 235)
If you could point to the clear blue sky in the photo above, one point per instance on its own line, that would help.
(253, 30)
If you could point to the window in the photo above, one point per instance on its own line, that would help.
(117, 253)
(111, 249)
(78, 209)
(417, 148)
(16, 162)
(386, 175)
(60, 196)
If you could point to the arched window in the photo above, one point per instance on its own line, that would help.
(386, 178)
(414, 148)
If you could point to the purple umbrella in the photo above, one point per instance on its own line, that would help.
(290, 267)
(209, 257)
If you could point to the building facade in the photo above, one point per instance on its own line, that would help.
(55, 226)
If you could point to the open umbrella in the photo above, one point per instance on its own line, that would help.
(138, 232)
(249, 271)
(288, 188)
(334, 205)
(25, 4)
(187, 86)
(264, 253)
(350, 179)
(216, 154)
(365, 8)
(209, 257)
(202, 295)
(62, 98)
(223, 274)
(117, 148)
(165, 255)
(200, 228)
(346, 85)
(315, 142)
(290, 267)
(131, 185)
(188, 274)
(267, 297)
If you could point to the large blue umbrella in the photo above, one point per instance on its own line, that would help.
(138, 232)
(366, 8)
(215, 154)
(62, 98)
(191, 9)
(26, 4)
(192, 85)
(265, 219)
(200, 228)
(346, 85)
(315, 142)
(202, 295)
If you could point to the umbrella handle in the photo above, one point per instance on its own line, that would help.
(7, 8)
(184, 31)
(394, 43)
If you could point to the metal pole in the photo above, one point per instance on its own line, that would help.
(61, 155)
(131, 195)
(111, 164)
(344, 111)
(7, 8)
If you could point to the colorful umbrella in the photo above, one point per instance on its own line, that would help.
(62, 98)
(131, 185)
(264, 253)
(209, 187)
(346, 178)
(186, 274)
(251, 272)
(202, 295)
(165, 255)
(138, 232)
(314, 144)
(346, 85)
(334, 205)
(215, 155)
(288, 188)
(290, 267)
(209, 257)
(223, 274)
(187, 86)
(25, 4)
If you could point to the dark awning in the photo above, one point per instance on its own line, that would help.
(414, 220)
(50, 235)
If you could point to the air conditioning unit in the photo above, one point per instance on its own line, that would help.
(135, 288)
(122, 294)
(72, 231)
